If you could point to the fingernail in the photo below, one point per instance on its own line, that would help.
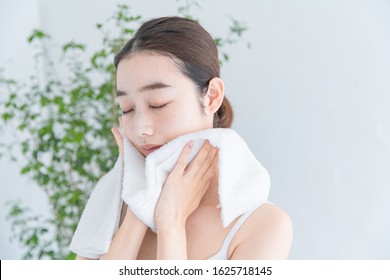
(190, 144)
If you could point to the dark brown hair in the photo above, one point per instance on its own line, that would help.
(190, 46)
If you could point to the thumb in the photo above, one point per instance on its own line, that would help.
(118, 138)
(183, 158)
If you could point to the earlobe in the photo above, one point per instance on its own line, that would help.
(215, 95)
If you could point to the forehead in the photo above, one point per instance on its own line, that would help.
(146, 68)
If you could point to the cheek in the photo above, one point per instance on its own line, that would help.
(179, 122)
(172, 121)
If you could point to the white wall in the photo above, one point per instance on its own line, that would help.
(310, 98)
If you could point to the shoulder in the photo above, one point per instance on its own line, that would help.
(266, 234)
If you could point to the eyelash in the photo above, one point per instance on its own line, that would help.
(153, 107)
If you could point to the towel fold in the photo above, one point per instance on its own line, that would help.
(243, 184)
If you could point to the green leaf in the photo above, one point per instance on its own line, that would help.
(70, 256)
(37, 35)
(218, 41)
(78, 136)
(225, 56)
(129, 31)
(16, 211)
(25, 146)
(98, 55)
(58, 100)
(73, 46)
(25, 170)
(33, 240)
(7, 116)
(237, 27)
(44, 101)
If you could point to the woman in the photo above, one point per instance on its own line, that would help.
(168, 85)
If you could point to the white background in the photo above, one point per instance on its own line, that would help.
(311, 99)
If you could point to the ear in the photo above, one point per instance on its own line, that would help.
(214, 97)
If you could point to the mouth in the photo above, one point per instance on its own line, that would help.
(149, 149)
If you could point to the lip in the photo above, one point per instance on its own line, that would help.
(147, 149)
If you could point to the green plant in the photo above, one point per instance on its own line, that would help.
(63, 129)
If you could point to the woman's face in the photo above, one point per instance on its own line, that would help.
(158, 102)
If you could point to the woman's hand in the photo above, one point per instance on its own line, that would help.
(118, 138)
(185, 187)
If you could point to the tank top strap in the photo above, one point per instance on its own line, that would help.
(236, 227)
(222, 254)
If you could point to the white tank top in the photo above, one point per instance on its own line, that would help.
(222, 254)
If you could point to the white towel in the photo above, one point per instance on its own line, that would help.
(243, 184)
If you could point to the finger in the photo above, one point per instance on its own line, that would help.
(215, 163)
(120, 122)
(203, 160)
(199, 159)
(210, 159)
(209, 175)
(183, 158)
(117, 135)
(209, 170)
(118, 138)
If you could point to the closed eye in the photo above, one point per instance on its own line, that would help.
(150, 106)
(158, 107)
(125, 112)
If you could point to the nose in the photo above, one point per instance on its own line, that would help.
(143, 127)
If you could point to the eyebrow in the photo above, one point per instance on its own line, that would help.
(149, 87)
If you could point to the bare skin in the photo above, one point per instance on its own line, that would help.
(187, 220)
